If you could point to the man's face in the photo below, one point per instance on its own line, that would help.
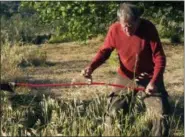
(128, 26)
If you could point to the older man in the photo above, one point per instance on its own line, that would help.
(142, 63)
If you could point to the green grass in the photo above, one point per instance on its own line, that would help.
(113, 60)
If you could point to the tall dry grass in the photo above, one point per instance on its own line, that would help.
(15, 58)
(45, 116)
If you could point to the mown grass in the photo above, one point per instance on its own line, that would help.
(26, 114)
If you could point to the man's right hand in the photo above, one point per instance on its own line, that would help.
(87, 72)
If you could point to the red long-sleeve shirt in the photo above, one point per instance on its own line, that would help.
(141, 52)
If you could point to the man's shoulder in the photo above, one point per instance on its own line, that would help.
(149, 29)
(147, 23)
(115, 25)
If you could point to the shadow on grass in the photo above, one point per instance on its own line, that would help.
(30, 105)
(40, 108)
(24, 100)
(32, 80)
(64, 64)
(71, 64)
(36, 63)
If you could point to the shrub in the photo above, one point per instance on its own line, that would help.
(15, 57)
(19, 29)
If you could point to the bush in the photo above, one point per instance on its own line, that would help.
(15, 57)
(10, 58)
(175, 38)
(81, 20)
(173, 33)
(34, 57)
(19, 29)
(59, 39)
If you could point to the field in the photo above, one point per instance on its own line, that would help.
(73, 110)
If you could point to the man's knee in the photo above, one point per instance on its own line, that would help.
(156, 111)
(117, 103)
(154, 106)
(160, 127)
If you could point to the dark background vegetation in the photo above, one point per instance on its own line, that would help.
(59, 21)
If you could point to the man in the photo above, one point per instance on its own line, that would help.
(142, 64)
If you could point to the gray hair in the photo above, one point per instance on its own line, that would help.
(129, 12)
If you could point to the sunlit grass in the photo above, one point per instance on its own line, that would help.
(13, 58)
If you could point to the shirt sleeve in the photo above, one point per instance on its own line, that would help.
(158, 56)
(105, 50)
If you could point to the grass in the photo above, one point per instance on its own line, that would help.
(14, 58)
(48, 117)
(75, 111)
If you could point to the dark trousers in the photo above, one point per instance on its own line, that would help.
(156, 105)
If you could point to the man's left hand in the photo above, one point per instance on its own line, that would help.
(150, 89)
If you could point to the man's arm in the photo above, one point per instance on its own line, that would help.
(159, 57)
(103, 54)
(159, 60)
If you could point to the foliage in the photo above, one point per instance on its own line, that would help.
(9, 8)
(81, 20)
(170, 20)
(19, 29)
(167, 16)
(21, 25)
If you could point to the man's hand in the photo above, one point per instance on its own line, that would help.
(151, 88)
(87, 74)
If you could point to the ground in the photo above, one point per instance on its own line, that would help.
(62, 63)
(66, 60)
